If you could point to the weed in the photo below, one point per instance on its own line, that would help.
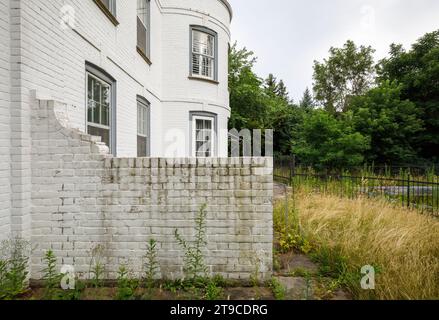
(51, 277)
(279, 291)
(151, 265)
(97, 268)
(126, 286)
(75, 294)
(194, 266)
(213, 292)
(14, 259)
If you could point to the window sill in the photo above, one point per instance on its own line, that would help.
(203, 79)
(143, 55)
(107, 12)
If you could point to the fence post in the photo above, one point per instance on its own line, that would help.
(408, 190)
(291, 165)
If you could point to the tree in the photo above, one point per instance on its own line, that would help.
(247, 99)
(349, 71)
(274, 89)
(417, 71)
(307, 103)
(391, 123)
(258, 104)
(326, 141)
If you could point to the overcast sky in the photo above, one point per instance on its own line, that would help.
(288, 35)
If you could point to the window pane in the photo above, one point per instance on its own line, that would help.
(105, 114)
(200, 124)
(143, 25)
(142, 128)
(196, 64)
(141, 146)
(196, 48)
(96, 113)
(111, 5)
(207, 67)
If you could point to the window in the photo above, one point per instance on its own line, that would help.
(143, 27)
(110, 5)
(109, 8)
(203, 53)
(142, 127)
(100, 106)
(203, 135)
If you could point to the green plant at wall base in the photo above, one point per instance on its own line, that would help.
(151, 265)
(213, 292)
(97, 268)
(194, 266)
(75, 294)
(14, 258)
(51, 277)
(278, 290)
(126, 287)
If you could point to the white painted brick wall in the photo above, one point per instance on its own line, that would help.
(53, 63)
(5, 129)
(81, 197)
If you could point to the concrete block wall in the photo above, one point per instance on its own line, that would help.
(83, 198)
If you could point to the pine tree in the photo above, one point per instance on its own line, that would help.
(307, 102)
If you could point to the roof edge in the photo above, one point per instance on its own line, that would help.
(229, 8)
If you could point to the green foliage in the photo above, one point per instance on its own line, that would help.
(307, 103)
(126, 286)
(260, 104)
(194, 266)
(213, 292)
(151, 265)
(392, 117)
(97, 268)
(279, 291)
(391, 123)
(347, 72)
(14, 259)
(246, 92)
(417, 71)
(326, 141)
(293, 240)
(332, 263)
(75, 294)
(51, 277)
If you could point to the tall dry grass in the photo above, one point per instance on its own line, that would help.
(346, 234)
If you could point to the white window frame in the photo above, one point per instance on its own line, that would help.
(110, 108)
(147, 26)
(111, 6)
(194, 135)
(213, 58)
(145, 123)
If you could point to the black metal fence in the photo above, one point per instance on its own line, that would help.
(403, 186)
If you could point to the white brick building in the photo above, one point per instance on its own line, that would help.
(150, 78)
(161, 61)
